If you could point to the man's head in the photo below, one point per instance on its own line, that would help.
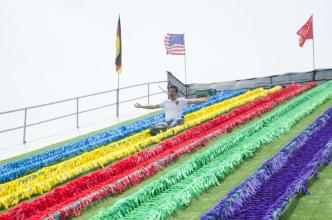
(173, 92)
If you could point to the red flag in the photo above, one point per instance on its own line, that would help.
(306, 32)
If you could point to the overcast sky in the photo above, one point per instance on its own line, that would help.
(54, 49)
(58, 49)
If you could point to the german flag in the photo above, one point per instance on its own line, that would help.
(118, 55)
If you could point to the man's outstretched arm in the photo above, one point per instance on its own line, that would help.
(138, 105)
(199, 100)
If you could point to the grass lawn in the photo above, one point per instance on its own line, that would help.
(207, 200)
(318, 205)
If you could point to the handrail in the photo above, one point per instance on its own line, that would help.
(78, 112)
(80, 97)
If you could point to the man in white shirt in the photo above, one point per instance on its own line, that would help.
(173, 107)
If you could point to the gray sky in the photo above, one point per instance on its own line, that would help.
(51, 50)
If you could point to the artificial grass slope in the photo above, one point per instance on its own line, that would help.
(210, 199)
(176, 190)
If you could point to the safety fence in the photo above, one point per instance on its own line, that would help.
(185, 90)
(188, 90)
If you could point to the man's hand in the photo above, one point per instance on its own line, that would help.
(138, 105)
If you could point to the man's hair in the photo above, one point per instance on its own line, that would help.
(174, 87)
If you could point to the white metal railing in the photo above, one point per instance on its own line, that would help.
(77, 103)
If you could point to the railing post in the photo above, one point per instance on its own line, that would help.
(117, 102)
(314, 75)
(25, 125)
(148, 93)
(187, 90)
(77, 112)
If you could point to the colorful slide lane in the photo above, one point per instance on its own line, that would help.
(120, 183)
(43, 180)
(160, 198)
(269, 190)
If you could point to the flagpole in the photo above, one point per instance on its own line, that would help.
(117, 96)
(313, 44)
(185, 61)
(118, 63)
(313, 54)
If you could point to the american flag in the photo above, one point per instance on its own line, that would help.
(174, 44)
